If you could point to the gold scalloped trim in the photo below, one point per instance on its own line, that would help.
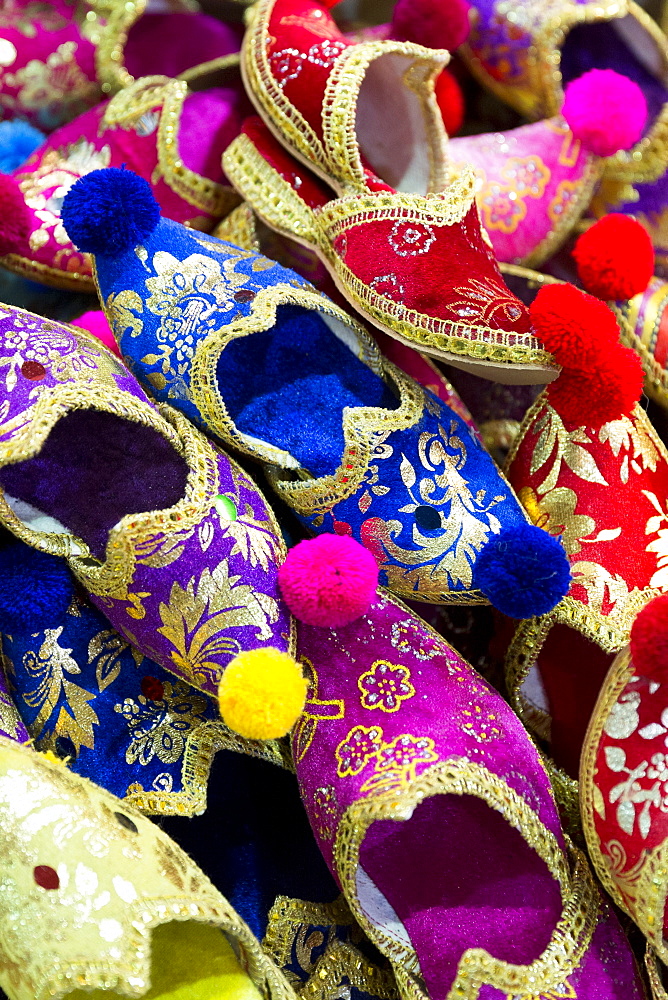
(654, 975)
(337, 157)
(340, 961)
(288, 912)
(70, 281)
(281, 208)
(574, 930)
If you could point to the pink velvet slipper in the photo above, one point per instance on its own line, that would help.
(417, 267)
(434, 812)
(163, 129)
(56, 61)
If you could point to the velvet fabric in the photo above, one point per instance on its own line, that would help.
(534, 182)
(167, 44)
(389, 703)
(189, 596)
(209, 121)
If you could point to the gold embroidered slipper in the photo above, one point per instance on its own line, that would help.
(99, 904)
(358, 115)
(417, 267)
(154, 127)
(172, 540)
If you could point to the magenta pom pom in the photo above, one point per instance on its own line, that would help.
(96, 322)
(605, 111)
(15, 221)
(436, 24)
(328, 581)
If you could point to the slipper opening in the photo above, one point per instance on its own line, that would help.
(454, 876)
(189, 961)
(289, 385)
(91, 472)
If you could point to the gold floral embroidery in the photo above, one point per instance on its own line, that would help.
(106, 647)
(57, 88)
(325, 811)
(660, 545)
(195, 620)
(397, 762)
(482, 725)
(565, 446)
(555, 512)
(49, 666)
(315, 711)
(385, 686)
(566, 193)
(27, 18)
(630, 436)
(356, 750)
(160, 728)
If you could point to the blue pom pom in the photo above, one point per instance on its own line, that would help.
(523, 572)
(109, 211)
(18, 140)
(36, 589)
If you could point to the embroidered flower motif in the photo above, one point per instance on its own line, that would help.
(55, 90)
(405, 751)
(359, 747)
(389, 286)
(385, 686)
(409, 239)
(325, 811)
(528, 175)
(286, 64)
(501, 207)
(159, 728)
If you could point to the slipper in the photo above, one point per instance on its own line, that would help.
(431, 280)
(183, 562)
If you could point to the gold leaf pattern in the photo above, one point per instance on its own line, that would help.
(107, 647)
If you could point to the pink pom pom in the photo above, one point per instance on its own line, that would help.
(328, 581)
(605, 111)
(436, 24)
(96, 322)
(15, 221)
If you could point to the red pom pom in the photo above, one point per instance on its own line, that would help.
(436, 24)
(600, 380)
(592, 398)
(450, 101)
(574, 327)
(615, 258)
(15, 219)
(605, 111)
(329, 580)
(649, 639)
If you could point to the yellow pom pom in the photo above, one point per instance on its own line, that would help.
(262, 694)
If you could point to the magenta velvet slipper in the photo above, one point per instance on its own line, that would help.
(434, 812)
(173, 541)
(58, 59)
(158, 127)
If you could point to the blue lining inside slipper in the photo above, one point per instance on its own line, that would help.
(288, 386)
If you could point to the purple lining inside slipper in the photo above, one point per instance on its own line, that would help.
(600, 46)
(93, 469)
(167, 44)
(459, 876)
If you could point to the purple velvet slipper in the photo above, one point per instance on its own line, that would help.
(434, 812)
(173, 541)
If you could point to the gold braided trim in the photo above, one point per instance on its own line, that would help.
(363, 428)
(656, 376)
(239, 228)
(617, 678)
(342, 961)
(70, 281)
(338, 157)
(202, 744)
(534, 279)
(205, 389)
(287, 913)
(110, 51)
(281, 208)
(339, 107)
(159, 91)
(654, 975)
(572, 933)
(587, 185)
